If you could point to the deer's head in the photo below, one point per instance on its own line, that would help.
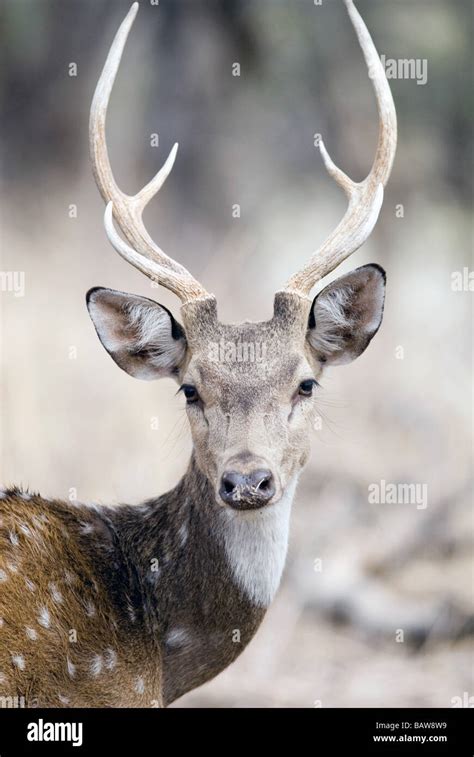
(251, 389)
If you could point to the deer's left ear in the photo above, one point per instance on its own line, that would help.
(346, 315)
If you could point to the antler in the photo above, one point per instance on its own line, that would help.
(127, 210)
(365, 198)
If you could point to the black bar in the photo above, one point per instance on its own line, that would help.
(319, 731)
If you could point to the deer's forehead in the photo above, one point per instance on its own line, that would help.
(250, 337)
(243, 370)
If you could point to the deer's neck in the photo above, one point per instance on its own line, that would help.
(202, 577)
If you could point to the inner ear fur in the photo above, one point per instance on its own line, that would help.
(346, 315)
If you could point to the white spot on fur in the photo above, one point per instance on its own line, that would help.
(19, 661)
(96, 665)
(30, 585)
(131, 611)
(62, 699)
(3, 576)
(70, 578)
(86, 528)
(14, 539)
(110, 658)
(177, 637)
(256, 542)
(90, 608)
(31, 633)
(55, 593)
(25, 529)
(153, 575)
(144, 510)
(183, 534)
(71, 668)
(1, 622)
(25, 496)
(12, 567)
(139, 685)
(44, 618)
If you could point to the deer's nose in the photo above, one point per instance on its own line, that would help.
(247, 491)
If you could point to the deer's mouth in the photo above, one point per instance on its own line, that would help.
(248, 504)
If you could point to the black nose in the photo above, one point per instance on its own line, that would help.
(247, 491)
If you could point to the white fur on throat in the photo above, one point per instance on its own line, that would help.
(256, 543)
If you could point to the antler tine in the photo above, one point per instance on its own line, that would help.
(142, 252)
(365, 198)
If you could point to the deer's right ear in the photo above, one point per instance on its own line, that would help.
(141, 336)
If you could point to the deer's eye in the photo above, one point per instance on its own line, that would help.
(191, 393)
(306, 387)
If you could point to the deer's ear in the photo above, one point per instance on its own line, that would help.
(141, 336)
(346, 315)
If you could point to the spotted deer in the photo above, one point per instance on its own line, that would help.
(134, 605)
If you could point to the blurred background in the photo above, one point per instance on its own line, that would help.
(375, 607)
